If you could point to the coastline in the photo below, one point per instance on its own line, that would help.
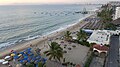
(38, 41)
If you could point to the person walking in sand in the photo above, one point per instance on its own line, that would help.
(31, 45)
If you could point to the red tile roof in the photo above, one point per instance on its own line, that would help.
(101, 47)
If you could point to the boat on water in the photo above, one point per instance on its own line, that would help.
(78, 12)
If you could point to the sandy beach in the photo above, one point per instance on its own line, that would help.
(39, 41)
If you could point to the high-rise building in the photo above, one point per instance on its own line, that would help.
(117, 13)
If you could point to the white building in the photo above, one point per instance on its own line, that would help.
(117, 13)
(101, 36)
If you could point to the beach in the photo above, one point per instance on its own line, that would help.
(38, 41)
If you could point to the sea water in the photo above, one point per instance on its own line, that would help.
(20, 23)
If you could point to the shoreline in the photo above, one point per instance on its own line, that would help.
(37, 41)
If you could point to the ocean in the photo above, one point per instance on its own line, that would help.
(20, 23)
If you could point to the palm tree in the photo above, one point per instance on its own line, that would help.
(68, 36)
(55, 52)
(81, 35)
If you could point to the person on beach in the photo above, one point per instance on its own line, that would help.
(31, 45)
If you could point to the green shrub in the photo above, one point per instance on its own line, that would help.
(30, 65)
(40, 64)
(44, 65)
(85, 43)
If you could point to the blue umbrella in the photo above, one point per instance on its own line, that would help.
(29, 49)
(15, 57)
(34, 58)
(25, 55)
(44, 60)
(29, 52)
(31, 57)
(38, 57)
(21, 53)
(36, 65)
(25, 58)
(21, 61)
(28, 60)
(15, 52)
(36, 61)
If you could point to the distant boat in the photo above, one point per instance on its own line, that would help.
(55, 13)
(34, 12)
(41, 12)
(78, 12)
(65, 14)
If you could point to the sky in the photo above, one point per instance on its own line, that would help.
(7, 2)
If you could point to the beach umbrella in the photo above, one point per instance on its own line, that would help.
(15, 57)
(20, 55)
(27, 63)
(31, 57)
(38, 57)
(21, 61)
(34, 58)
(12, 54)
(7, 57)
(29, 49)
(20, 58)
(25, 55)
(44, 60)
(31, 60)
(36, 61)
(2, 60)
(5, 62)
(31, 54)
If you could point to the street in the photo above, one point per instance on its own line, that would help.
(113, 53)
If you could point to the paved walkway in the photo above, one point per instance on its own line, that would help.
(97, 62)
